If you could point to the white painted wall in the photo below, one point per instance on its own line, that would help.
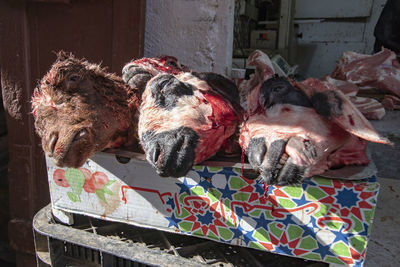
(198, 33)
(322, 44)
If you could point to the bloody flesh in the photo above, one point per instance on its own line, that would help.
(337, 139)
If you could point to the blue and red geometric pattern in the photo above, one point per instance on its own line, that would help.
(322, 219)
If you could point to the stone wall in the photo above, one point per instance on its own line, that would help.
(198, 33)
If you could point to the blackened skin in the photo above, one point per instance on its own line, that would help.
(289, 174)
(268, 161)
(278, 90)
(171, 153)
(256, 151)
(136, 77)
(220, 84)
(272, 157)
(166, 90)
(327, 104)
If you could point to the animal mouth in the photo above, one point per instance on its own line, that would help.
(72, 152)
(283, 159)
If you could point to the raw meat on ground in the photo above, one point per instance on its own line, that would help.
(381, 70)
(391, 102)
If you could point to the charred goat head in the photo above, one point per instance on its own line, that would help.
(184, 119)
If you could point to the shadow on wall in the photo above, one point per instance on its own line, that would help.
(7, 256)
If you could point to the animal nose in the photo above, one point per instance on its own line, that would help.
(156, 154)
(52, 143)
(171, 153)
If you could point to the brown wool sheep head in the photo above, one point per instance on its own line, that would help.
(80, 109)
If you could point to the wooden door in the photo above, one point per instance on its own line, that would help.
(108, 31)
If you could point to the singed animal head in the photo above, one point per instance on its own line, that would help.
(183, 120)
(80, 109)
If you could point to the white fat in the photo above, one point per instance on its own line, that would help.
(189, 110)
(300, 121)
(383, 73)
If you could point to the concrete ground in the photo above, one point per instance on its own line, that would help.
(384, 246)
(387, 158)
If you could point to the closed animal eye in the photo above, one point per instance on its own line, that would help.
(163, 84)
(73, 78)
(277, 89)
(172, 64)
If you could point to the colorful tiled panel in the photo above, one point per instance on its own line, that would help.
(322, 219)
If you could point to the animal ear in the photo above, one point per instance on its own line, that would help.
(264, 71)
(262, 63)
(354, 122)
(332, 104)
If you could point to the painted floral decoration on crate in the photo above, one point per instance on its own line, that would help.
(321, 219)
(83, 179)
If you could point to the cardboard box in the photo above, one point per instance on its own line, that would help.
(263, 39)
(322, 219)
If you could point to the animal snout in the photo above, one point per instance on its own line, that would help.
(68, 141)
(274, 164)
(171, 153)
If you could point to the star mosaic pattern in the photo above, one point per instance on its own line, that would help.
(322, 219)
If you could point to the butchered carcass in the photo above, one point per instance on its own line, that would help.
(80, 109)
(186, 118)
(293, 130)
(380, 71)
